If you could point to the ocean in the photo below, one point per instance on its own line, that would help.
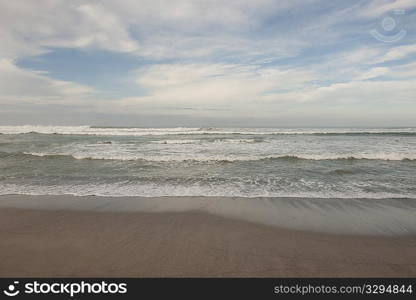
(233, 162)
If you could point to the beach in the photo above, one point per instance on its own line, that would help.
(102, 237)
(175, 139)
(102, 201)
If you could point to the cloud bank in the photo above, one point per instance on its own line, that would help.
(267, 62)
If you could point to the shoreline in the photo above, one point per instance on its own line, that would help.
(69, 243)
(341, 216)
(68, 236)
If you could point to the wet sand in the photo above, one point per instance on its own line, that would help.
(91, 243)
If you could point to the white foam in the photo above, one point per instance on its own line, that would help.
(87, 130)
(174, 157)
(194, 190)
(179, 142)
(131, 131)
(200, 141)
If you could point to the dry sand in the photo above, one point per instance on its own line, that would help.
(67, 243)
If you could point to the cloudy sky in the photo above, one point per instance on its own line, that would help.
(208, 62)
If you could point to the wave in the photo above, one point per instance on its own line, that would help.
(342, 172)
(212, 158)
(239, 141)
(179, 142)
(136, 131)
(215, 141)
(157, 190)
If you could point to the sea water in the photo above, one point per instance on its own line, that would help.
(244, 162)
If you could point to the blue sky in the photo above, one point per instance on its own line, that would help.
(208, 63)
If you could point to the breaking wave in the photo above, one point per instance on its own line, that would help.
(210, 158)
(135, 131)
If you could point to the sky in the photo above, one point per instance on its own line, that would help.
(260, 63)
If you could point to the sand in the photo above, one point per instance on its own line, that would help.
(90, 243)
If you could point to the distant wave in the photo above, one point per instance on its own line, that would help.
(180, 142)
(215, 141)
(207, 158)
(135, 131)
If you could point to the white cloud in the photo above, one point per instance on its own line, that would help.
(379, 7)
(362, 63)
(22, 85)
(152, 28)
(245, 89)
(361, 55)
(405, 71)
(359, 93)
(105, 30)
(202, 86)
(397, 53)
(209, 54)
(192, 16)
(372, 73)
(30, 27)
